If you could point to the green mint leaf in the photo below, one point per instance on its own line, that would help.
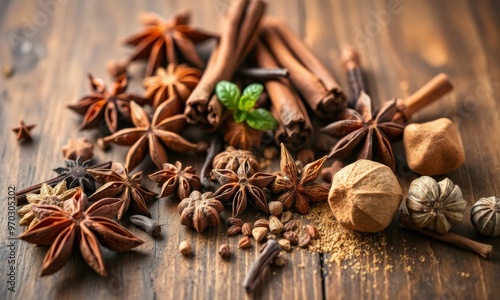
(261, 119)
(250, 96)
(239, 116)
(228, 94)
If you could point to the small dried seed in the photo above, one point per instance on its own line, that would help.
(286, 216)
(185, 248)
(7, 71)
(291, 226)
(275, 225)
(270, 152)
(233, 230)
(246, 229)
(311, 231)
(285, 244)
(234, 221)
(304, 241)
(244, 243)
(261, 223)
(275, 208)
(292, 236)
(259, 233)
(224, 251)
(280, 261)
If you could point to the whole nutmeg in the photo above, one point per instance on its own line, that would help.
(365, 196)
(485, 216)
(434, 205)
(224, 251)
(275, 208)
(185, 248)
(433, 148)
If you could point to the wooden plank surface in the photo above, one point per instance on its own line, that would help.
(402, 44)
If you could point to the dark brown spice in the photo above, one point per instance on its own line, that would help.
(200, 211)
(234, 221)
(224, 251)
(23, 131)
(292, 237)
(246, 229)
(75, 148)
(304, 241)
(269, 252)
(147, 224)
(176, 180)
(233, 230)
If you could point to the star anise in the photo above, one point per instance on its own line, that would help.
(200, 211)
(111, 105)
(23, 131)
(364, 134)
(240, 188)
(177, 180)
(87, 227)
(78, 147)
(76, 173)
(174, 81)
(161, 41)
(48, 196)
(154, 135)
(118, 184)
(232, 158)
(297, 188)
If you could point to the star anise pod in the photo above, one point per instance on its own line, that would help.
(87, 227)
(47, 196)
(118, 184)
(240, 188)
(240, 135)
(78, 147)
(111, 105)
(76, 173)
(177, 180)
(23, 131)
(200, 211)
(232, 158)
(161, 41)
(296, 189)
(176, 81)
(154, 135)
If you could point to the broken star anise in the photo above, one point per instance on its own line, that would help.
(86, 227)
(296, 189)
(200, 211)
(23, 131)
(239, 188)
(174, 81)
(118, 184)
(232, 158)
(76, 174)
(364, 134)
(153, 135)
(102, 104)
(177, 180)
(161, 41)
(47, 196)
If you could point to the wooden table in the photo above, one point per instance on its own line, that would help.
(402, 43)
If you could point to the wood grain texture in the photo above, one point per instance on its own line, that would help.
(402, 45)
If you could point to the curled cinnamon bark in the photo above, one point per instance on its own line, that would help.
(240, 29)
(311, 79)
(295, 127)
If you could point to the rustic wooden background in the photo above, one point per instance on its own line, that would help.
(53, 44)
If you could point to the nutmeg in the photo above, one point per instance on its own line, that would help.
(365, 196)
(433, 148)
(485, 216)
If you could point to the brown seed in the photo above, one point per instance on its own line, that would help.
(233, 230)
(285, 244)
(224, 251)
(280, 261)
(244, 243)
(7, 71)
(275, 225)
(292, 236)
(234, 221)
(259, 233)
(185, 248)
(291, 226)
(311, 231)
(261, 223)
(275, 208)
(246, 229)
(286, 216)
(304, 241)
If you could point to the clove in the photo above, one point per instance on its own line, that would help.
(269, 252)
(146, 224)
(213, 149)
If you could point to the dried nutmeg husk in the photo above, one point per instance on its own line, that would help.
(434, 205)
(485, 216)
(365, 196)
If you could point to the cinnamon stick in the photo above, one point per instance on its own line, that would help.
(240, 29)
(430, 92)
(264, 73)
(295, 129)
(311, 79)
(484, 250)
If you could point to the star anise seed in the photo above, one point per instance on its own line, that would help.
(232, 158)
(200, 211)
(76, 174)
(177, 180)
